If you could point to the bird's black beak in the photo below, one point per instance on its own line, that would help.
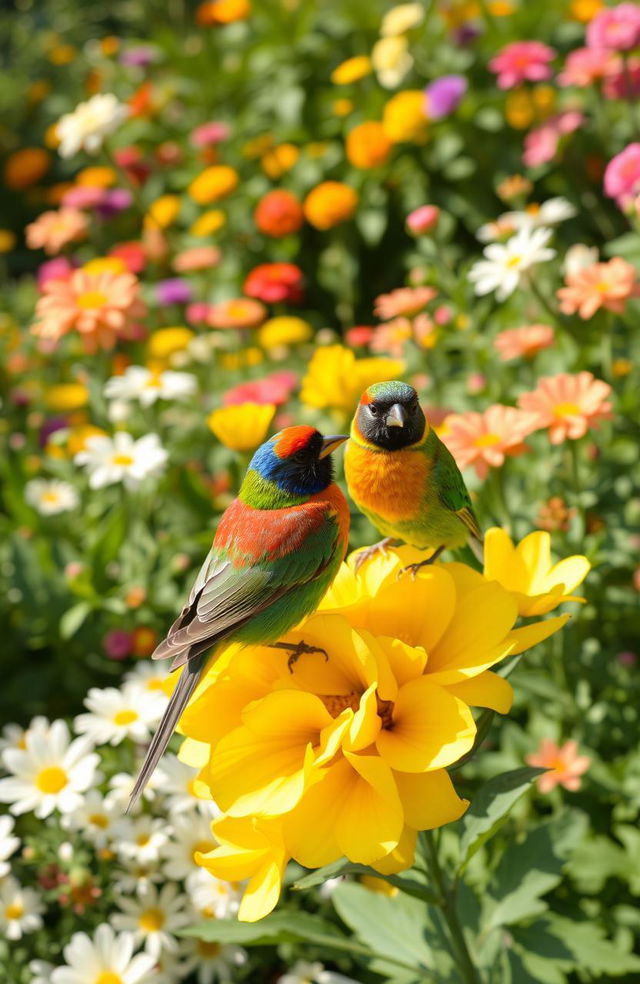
(329, 444)
(397, 416)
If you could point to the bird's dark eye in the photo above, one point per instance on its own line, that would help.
(300, 456)
(373, 410)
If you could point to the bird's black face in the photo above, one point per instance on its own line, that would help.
(297, 460)
(392, 421)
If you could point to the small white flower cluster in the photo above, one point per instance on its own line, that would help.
(73, 783)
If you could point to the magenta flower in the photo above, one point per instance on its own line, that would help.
(173, 291)
(117, 644)
(443, 95)
(210, 133)
(622, 175)
(522, 61)
(423, 219)
(615, 28)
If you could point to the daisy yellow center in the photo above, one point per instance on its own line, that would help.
(336, 703)
(237, 309)
(202, 847)
(91, 299)
(487, 441)
(514, 261)
(152, 920)
(566, 409)
(533, 208)
(108, 977)
(208, 949)
(125, 717)
(52, 779)
(155, 683)
(99, 820)
(153, 382)
(603, 287)
(142, 840)
(14, 911)
(122, 459)
(50, 496)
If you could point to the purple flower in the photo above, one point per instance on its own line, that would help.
(443, 95)
(49, 427)
(115, 200)
(140, 56)
(173, 291)
(117, 644)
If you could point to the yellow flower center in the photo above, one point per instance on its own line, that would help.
(108, 977)
(155, 683)
(91, 299)
(566, 409)
(99, 820)
(532, 208)
(208, 950)
(50, 497)
(142, 840)
(153, 382)
(151, 920)
(125, 717)
(603, 287)
(486, 441)
(52, 779)
(336, 703)
(514, 261)
(122, 459)
(203, 847)
(14, 911)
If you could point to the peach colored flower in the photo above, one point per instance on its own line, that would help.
(608, 285)
(405, 301)
(563, 762)
(568, 405)
(523, 343)
(239, 312)
(485, 439)
(101, 307)
(197, 258)
(52, 231)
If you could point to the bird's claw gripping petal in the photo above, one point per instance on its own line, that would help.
(414, 568)
(298, 649)
(373, 550)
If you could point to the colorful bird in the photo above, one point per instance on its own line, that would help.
(403, 478)
(277, 548)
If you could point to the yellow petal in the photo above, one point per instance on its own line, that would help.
(365, 724)
(485, 690)
(194, 753)
(370, 821)
(502, 562)
(535, 553)
(429, 799)
(465, 578)
(427, 604)
(570, 572)
(431, 729)
(530, 635)
(309, 829)
(401, 858)
(351, 666)
(263, 891)
(476, 635)
(406, 662)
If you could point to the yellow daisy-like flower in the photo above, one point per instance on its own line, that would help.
(213, 183)
(208, 223)
(404, 117)
(242, 427)
(66, 396)
(351, 70)
(528, 572)
(166, 341)
(105, 264)
(336, 379)
(343, 751)
(284, 330)
(279, 160)
(162, 212)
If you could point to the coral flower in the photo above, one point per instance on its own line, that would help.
(523, 343)
(197, 258)
(584, 66)
(423, 219)
(485, 439)
(563, 762)
(239, 312)
(616, 28)
(522, 61)
(568, 405)
(335, 378)
(207, 134)
(368, 145)
(52, 231)
(405, 301)
(622, 175)
(329, 204)
(541, 144)
(607, 285)
(101, 307)
(276, 389)
(275, 282)
(278, 213)
(242, 427)
(527, 571)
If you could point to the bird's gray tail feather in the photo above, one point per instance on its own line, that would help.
(477, 547)
(179, 699)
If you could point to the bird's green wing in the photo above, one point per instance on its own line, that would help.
(452, 491)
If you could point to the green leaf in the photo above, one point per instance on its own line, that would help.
(286, 926)
(409, 886)
(585, 941)
(490, 808)
(73, 619)
(107, 546)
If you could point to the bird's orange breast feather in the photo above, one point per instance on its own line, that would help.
(392, 485)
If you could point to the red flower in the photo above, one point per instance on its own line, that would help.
(278, 213)
(273, 282)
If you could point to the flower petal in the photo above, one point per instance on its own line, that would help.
(530, 635)
(485, 690)
(429, 799)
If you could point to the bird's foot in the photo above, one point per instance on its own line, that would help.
(298, 649)
(414, 568)
(375, 548)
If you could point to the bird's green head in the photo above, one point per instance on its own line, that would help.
(389, 416)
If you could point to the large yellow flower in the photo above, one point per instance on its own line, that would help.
(336, 379)
(242, 427)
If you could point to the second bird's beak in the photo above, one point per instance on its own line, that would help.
(329, 444)
(397, 416)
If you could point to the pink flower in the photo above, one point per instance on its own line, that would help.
(522, 61)
(276, 388)
(405, 301)
(584, 66)
(567, 404)
(197, 258)
(423, 219)
(84, 196)
(622, 174)
(52, 231)
(624, 82)
(210, 133)
(607, 285)
(485, 439)
(58, 269)
(359, 335)
(563, 762)
(615, 28)
(197, 313)
(523, 343)
(541, 144)
(392, 337)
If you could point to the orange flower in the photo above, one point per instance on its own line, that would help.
(484, 440)
(100, 307)
(239, 312)
(368, 145)
(25, 167)
(329, 204)
(51, 231)
(568, 405)
(217, 12)
(523, 343)
(405, 301)
(564, 764)
(278, 213)
(608, 285)
(279, 160)
(215, 182)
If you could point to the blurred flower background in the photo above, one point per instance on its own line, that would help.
(219, 219)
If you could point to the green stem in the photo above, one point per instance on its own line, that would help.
(608, 345)
(466, 967)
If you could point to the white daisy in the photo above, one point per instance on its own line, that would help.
(153, 916)
(50, 496)
(121, 786)
(89, 123)
(49, 774)
(579, 257)
(150, 676)
(212, 961)
(505, 263)
(95, 818)
(142, 838)
(8, 844)
(169, 968)
(549, 213)
(131, 875)
(105, 959)
(118, 714)
(20, 909)
(213, 898)
(40, 971)
(499, 230)
(305, 972)
(139, 383)
(121, 459)
(177, 783)
(13, 736)
(191, 833)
